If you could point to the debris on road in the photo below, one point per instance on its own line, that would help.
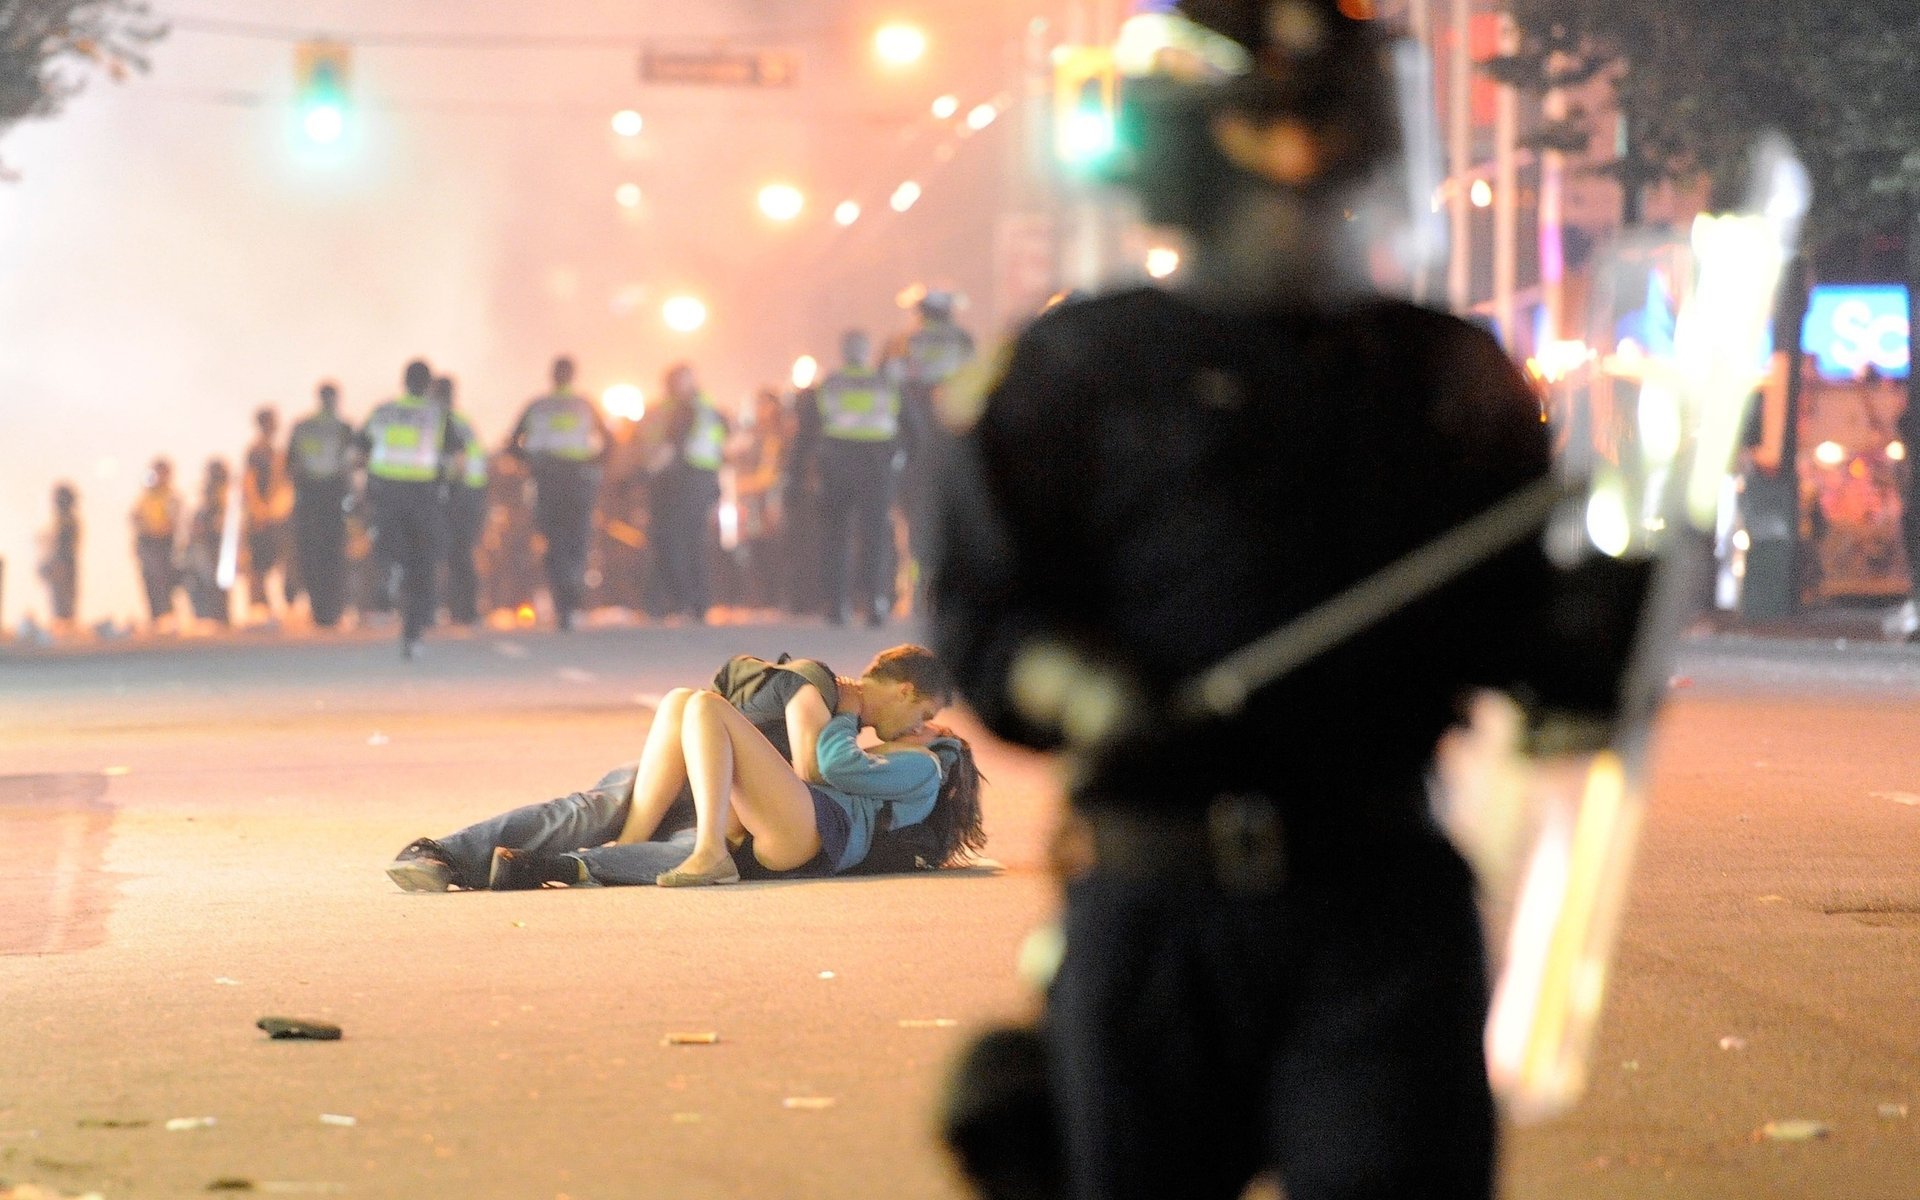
(378, 739)
(183, 1124)
(1632, 1064)
(928, 1023)
(519, 924)
(343, 1121)
(1893, 1112)
(690, 1039)
(1733, 1043)
(826, 974)
(1910, 799)
(282, 1028)
(808, 1102)
(230, 1183)
(116, 772)
(33, 1191)
(113, 1123)
(223, 981)
(1794, 1129)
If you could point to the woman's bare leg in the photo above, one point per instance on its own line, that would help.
(663, 769)
(740, 780)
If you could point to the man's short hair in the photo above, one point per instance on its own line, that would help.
(915, 665)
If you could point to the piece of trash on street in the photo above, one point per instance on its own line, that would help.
(1910, 799)
(928, 1023)
(116, 772)
(113, 1123)
(285, 1028)
(826, 974)
(807, 1102)
(690, 1039)
(340, 1119)
(1795, 1129)
(378, 739)
(33, 1191)
(1632, 1064)
(230, 1183)
(1733, 1043)
(223, 981)
(686, 1118)
(1892, 1112)
(519, 924)
(182, 1124)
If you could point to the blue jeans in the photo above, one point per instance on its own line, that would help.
(578, 826)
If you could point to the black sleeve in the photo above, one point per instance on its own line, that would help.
(1003, 575)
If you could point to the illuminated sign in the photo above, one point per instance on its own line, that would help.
(1853, 327)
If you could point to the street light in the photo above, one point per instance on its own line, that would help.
(781, 201)
(905, 196)
(980, 116)
(1162, 261)
(684, 313)
(627, 195)
(945, 107)
(898, 44)
(806, 369)
(624, 400)
(628, 123)
(846, 212)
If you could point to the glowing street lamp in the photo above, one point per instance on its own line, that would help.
(625, 401)
(905, 196)
(781, 201)
(627, 195)
(1162, 261)
(806, 369)
(898, 44)
(846, 212)
(945, 107)
(684, 313)
(628, 123)
(980, 116)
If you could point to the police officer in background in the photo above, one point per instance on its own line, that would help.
(320, 454)
(691, 438)
(859, 428)
(1273, 958)
(921, 364)
(466, 510)
(408, 443)
(563, 439)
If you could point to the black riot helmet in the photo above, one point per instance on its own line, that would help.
(1294, 94)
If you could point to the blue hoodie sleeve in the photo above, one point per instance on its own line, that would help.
(908, 780)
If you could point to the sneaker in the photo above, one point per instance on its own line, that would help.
(521, 871)
(424, 866)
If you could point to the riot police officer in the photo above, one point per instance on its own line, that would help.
(563, 439)
(683, 491)
(466, 517)
(859, 426)
(408, 442)
(320, 463)
(1273, 958)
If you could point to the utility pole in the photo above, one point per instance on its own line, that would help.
(1506, 195)
(1460, 158)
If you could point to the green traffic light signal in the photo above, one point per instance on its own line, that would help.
(321, 91)
(1085, 131)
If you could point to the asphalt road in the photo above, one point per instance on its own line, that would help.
(201, 846)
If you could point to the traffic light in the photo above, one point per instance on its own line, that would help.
(1085, 107)
(320, 90)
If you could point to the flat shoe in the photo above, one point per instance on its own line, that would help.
(726, 872)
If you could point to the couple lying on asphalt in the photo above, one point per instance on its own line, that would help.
(762, 774)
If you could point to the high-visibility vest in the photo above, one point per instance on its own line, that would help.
(473, 472)
(561, 425)
(706, 440)
(321, 448)
(935, 351)
(858, 405)
(406, 437)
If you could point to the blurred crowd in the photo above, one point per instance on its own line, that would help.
(801, 500)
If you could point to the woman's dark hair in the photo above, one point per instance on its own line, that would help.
(955, 827)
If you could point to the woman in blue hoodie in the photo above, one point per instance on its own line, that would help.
(918, 789)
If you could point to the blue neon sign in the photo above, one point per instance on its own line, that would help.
(1852, 327)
